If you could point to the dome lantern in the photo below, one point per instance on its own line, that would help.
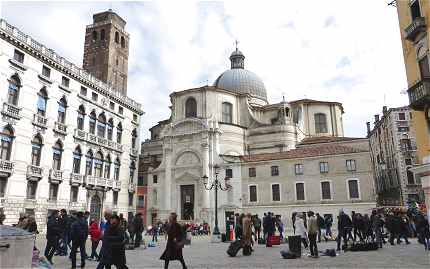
(237, 59)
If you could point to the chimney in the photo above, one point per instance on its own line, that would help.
(368, 127)
(384, 110)
(376, 118)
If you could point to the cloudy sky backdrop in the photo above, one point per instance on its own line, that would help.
(346, 51)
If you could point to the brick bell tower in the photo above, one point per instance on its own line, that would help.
(106, 50)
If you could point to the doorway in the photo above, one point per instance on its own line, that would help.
(95, 207)
(187, 202)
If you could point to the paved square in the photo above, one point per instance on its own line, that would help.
(203, 254)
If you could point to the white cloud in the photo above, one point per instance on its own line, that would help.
(314, 49)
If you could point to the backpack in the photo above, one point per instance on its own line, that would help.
(330, 252)
(288, 255)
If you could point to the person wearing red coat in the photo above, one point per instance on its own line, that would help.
(95, 234)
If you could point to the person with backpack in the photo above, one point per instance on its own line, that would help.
(328, 222)
(79, 234)
(321, 226)
(95, 234)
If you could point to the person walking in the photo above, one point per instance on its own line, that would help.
(301, 230)
(423, 230)
(79, 234)
(138, 228)
(175, 243)
(104, 226)
(378, 226)
(312, 234)
(113, 246)
(404, 229)
(343, 225)
(95, 234)
(257, 227)
(321, 225)
(247, 235)
(63, 222)
(53, 233)
(328, 222)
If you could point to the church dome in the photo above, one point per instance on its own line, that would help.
(239, 80)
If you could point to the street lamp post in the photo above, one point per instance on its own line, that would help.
(216, 185)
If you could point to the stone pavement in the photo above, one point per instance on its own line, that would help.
(203, 254)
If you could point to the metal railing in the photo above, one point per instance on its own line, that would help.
(419, 94)
(100, 141)
(40, 120)
(34, 171)
(413, 29)
(60, 127)
(56, 175)
(76, 179)
(6, 166)
(11, 110)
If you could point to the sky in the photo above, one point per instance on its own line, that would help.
(346, 51)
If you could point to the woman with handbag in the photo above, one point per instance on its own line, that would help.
(175, 243)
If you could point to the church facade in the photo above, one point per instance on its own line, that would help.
(231, 125)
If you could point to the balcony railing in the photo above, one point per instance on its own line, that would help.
(11, 111)
(55, 176)
(116, 186)
(60, 128)
(34, 172)
(40, 121)
(131, 187)
(100, 141)
(418, 25)
(6, 167)
(98, 182)
(419, 94)
(76, 179)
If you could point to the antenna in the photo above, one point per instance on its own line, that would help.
(236, 43)
(393, 3)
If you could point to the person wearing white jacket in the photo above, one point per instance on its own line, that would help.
(301, 230)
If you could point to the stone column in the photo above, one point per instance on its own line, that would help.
(168, 179)
(206, 171)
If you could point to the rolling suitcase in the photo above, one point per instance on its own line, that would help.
(295, 244)
(234, 248)
(247, 251)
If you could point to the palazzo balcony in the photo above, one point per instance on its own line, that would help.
(417, 26)
(419, 94)
(56, 176)
(97, 140)
(98, 182)
(60, 128)
(6, 167)
(131, 187)
(34, 172)
(11, 111)
(116, 185)
(76, 179)
(40, 121)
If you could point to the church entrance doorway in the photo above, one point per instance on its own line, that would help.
(95, 208)
(187, 202)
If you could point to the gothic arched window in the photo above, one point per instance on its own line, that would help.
(101, 125)
(133, 138)
(117, 166)
(13, 90)
(92, 122)
(62, 106)
(94, 35)
(110, 129)
(116, 37)
(98, 165)
(102, 34)
(57, 155)
(77, 155)
(122, 42)
(191, 108)
(42, 99)
(89, 163)
(81, 117)
(107, 167)
(320, 123)
(36, 150)
(119, 133)
(227, 111)
(6, 137)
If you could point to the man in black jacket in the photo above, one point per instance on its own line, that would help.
(113, 241)
(343, 224)
(79, 235)
(321, 225)
(53, 232)
(138, 228)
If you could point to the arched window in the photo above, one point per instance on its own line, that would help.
(122, 42)
(81, 117)
(110, 129)
(92, 122)
(42, 99)
(6, 137)
(107, 167)
(132, 169)
(89, 163)
(36, 150)
(119, 133)
(94, 35)
(116, 168)
(98, 165)
(227, 111)
(57, 154)
(190, 108)
(116, 37)
(102, 34)
(77, 155)
(101, 125)
(62, 106)
(13, 91)
(133, 138)
(320, 123)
